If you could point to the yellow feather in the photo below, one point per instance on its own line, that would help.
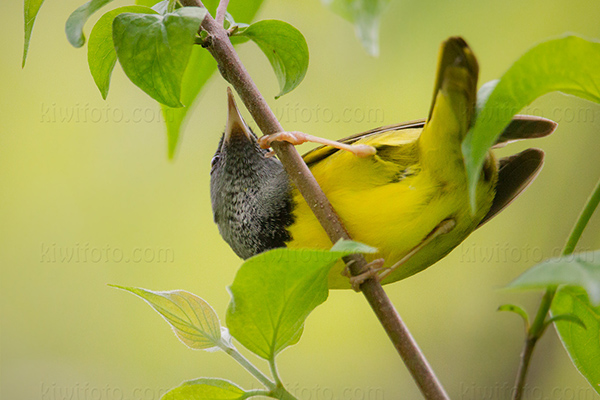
(394, 199)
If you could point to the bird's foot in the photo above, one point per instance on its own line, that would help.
(296, 138)
(371, 271)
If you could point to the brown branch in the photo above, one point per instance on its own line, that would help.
(235, 73)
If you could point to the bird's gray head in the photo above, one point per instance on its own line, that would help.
(250, 193)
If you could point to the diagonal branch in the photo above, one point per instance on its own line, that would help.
(236, 74)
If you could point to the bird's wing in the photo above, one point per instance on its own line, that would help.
(525, 127)
(515, 173)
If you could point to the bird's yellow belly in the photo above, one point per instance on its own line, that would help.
(394, 218)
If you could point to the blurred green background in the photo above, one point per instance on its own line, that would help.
(81, 174)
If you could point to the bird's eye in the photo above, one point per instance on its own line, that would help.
(214, 161)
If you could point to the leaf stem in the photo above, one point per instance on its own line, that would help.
(539, 324)
(274, 372)
(236, 74)
(248, 366)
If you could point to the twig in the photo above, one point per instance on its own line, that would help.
(539, 324)
(221, 10)
(235, 73)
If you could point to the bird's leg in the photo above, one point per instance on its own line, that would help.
(296, 138)
(371, 271)
(444, 227)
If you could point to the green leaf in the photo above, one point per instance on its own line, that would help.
(286, 49)
(154, 50)
(206, 389)
(517, 310)
(580, 269)
(76, 21)
(569, 64)
(200, 68)
(365, 16)
(272, 295)
(101, 50)
(30, 11)
(583, 345)
(353, 247)
(193, 320)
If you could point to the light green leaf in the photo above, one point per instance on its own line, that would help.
(101, 50)
(286, 49)
(206, 389)
(200, 68)
(517, 310)
(76, 21)
(352, 246)
(569, 64)
(583, 345)
(272, 295)
(154, 50)
(580, 269)
(193, 320)
(166, 6)
(30, 11)
(365, 15)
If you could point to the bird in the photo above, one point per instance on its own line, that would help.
(403, 191)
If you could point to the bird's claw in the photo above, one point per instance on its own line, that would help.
(297, 138)
(371, 271)
(293, 137)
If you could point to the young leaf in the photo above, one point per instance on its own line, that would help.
(517, 310)
(286, 49)
(583, 345)
(206, 389)
(75, 22)
(581, 269)
(569, 64)
(30, 10)
(352, 246)
(101, 49)
(193, 320)
(365, 15)
(154, 50)
(200, 68)
(272, 295)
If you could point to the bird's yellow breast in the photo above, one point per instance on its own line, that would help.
(389, 202)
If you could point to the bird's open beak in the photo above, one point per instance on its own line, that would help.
(236, 127)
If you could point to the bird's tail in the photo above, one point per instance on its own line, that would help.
(452, 110)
